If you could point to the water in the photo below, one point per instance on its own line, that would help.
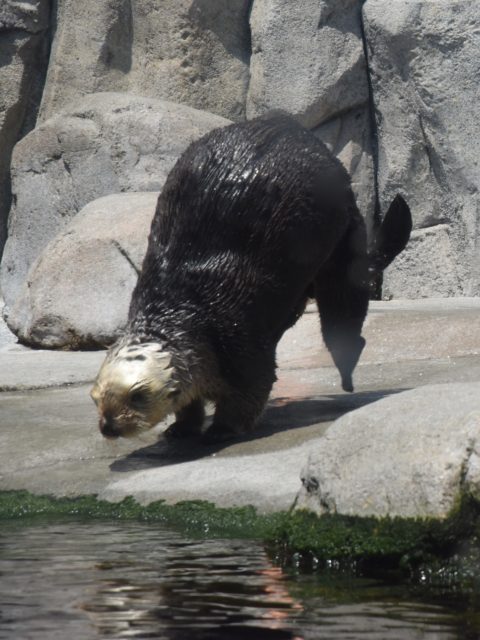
(81, 581)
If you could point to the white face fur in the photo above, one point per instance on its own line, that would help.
(134, 389)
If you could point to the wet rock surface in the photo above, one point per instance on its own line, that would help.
(50, 443)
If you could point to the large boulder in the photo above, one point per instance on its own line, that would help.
(78, 291)
(23, 65)
(108, 143)
(424, 60)
(414, 454)
(195, 52)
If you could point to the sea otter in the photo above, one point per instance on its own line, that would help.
(253, 219)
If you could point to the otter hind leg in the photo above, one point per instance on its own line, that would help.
(189, 421)
(235, 415)
(238, 410)
(342, 294)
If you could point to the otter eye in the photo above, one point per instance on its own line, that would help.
(138, 398)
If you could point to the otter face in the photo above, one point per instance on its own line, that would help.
(134, 389)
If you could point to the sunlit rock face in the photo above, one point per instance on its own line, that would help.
(414, 454)
(107, 143)
(308, 58)
(424, 68)
(391, 88)
(194, 52)
(77, 292)
(23, 65)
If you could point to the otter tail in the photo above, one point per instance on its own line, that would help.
(391, 237)
(342, 288)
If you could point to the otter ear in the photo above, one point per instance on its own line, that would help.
(392, 236)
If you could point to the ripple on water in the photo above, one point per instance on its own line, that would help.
(132, 580)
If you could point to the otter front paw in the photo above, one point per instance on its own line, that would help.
(220, 433)
(189, 421)
(181, 429)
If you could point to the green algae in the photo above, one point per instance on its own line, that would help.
(396, 542)
(398, 539)
(193, 517)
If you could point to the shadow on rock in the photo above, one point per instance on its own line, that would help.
(282, 414)
(166, 452)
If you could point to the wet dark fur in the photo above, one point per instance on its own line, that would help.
(253, 219)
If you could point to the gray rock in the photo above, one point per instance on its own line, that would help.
(108, 143)
(398, 333)
(349, 138)
(414, 454)
(31, 17)
(307, 58)
(50, 442)
(424, 59)
(7, 338)
(23, 65)
(195, 52)
(427, 267)
(78, 291)
(28, 370)
(224, 481)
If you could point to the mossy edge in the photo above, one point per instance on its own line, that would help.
(395, 541)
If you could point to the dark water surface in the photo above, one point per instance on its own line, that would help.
(78, 581)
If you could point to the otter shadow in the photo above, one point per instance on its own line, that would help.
(281, 415)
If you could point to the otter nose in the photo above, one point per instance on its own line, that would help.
(107, 427)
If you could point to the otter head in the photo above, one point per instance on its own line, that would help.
(134, 389)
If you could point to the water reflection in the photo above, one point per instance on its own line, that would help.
(195, 589)
(138, 581)
(100, 580)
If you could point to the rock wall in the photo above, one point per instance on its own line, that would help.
(424, 61)
(195, 52)
(392, 89)
(24, 46)
(107, 143)
(309, 60)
